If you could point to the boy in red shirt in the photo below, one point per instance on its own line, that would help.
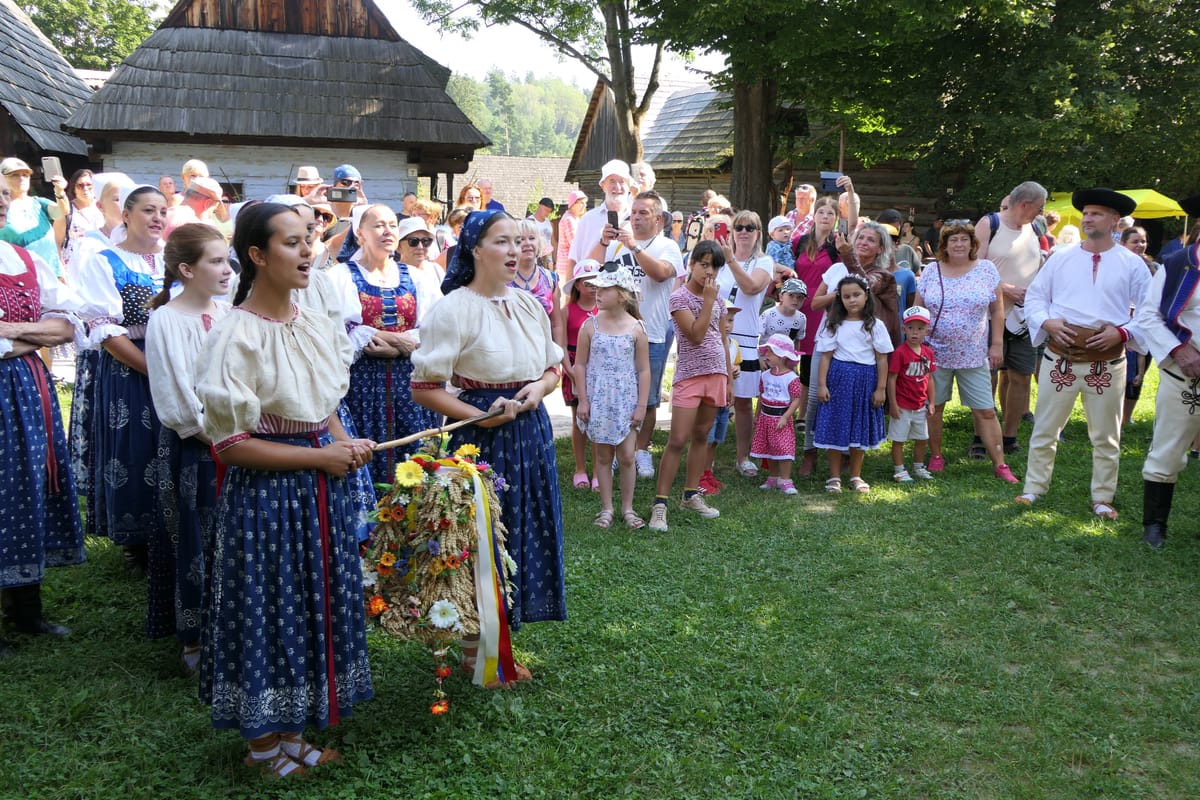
(908, 395)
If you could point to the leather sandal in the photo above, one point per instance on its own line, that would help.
(859, 485)
(833, 486)
(306, 754)
(1105, 511)
(604, 519)
(632, 520)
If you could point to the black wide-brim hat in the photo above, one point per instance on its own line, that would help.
(1191, 206)
(1123, 204)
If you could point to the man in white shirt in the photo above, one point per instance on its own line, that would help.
(1079, 306)
(1167, 318)
(615, 181)
(541, 220)
(1013, 247)
(656, 264)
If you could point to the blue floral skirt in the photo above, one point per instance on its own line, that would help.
(126, 443)
(381, 403)
(39, 511)
(83, 439)
(178, 556)
(849, 421)
(362, 489)
(522, 452)
(284, 640)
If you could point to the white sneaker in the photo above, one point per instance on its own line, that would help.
(645, 467)
(922, 474)
(696, 503)
(658, 517)
(902, 476)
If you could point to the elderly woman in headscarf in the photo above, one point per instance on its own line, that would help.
(494, 342)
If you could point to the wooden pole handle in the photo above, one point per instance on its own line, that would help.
(425, 434)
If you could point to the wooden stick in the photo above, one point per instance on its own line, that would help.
(425, 434)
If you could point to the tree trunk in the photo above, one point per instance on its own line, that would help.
(753, 111)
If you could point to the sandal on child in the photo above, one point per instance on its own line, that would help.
(632, 520)
(604, 519)
(581, 481)
(1027, 499)
(834, 485)
(277, 766)
(306, 754)
(859, 485)
(1104, 511)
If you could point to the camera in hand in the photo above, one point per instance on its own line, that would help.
(337, 195)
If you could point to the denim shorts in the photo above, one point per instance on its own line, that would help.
(658, 363)
(716, 434)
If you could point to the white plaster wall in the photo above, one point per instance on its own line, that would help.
(264, 171)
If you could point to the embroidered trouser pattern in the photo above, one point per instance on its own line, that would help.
(1101, 387)
(1176, 423)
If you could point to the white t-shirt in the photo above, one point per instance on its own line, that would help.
(745, 324)
(546, 229)
(656, 295)
(591, 225)
(851, 343)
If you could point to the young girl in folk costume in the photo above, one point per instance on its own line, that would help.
(494, 343)
(115, 283)
(702, 382)
(614, 358)
(284, 642)
(851, 381)
(197, 257)
(779, 395)
(581, 306)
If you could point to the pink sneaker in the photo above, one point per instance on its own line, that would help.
(770, 483)
(1003, 473)
(937, 464)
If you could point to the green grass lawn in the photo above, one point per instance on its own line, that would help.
(927, 641)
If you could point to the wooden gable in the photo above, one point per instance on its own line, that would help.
(355, 18)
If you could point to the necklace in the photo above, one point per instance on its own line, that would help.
(527, 283)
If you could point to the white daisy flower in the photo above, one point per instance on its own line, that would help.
(443, 614)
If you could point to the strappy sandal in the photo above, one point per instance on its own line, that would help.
(306, 754)
(833, 486)
(278, 766)
(632, 520)
(604, 519)
(1105, 511)
(859, 485)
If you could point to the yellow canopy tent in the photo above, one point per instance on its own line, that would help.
(1150, 205)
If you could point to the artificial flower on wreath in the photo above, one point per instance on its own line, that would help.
(421, 558)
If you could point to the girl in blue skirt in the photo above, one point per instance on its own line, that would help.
(494, 343)
(197, 257)
(284, 640)
(851, 381)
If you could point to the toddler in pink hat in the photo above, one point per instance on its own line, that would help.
(779, 393)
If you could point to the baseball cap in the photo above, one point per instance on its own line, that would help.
(346, 172)
(793, 286)
(13, 165)
(615, 167)
(916, 314)
(778, 222)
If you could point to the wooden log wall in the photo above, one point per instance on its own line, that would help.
(357, 18)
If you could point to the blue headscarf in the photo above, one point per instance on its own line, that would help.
(462, 268)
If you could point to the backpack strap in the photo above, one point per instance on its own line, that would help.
(993, 225)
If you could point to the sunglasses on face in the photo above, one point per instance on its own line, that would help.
(347, 182)
(419, 241)
(326, 218)
(745, 228)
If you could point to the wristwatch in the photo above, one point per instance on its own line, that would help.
(637, 248)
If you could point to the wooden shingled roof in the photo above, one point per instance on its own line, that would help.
(39, 89)
(692, 132)
(332, 72)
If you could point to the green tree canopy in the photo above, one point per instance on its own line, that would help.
(93, 34)
(530, 117)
